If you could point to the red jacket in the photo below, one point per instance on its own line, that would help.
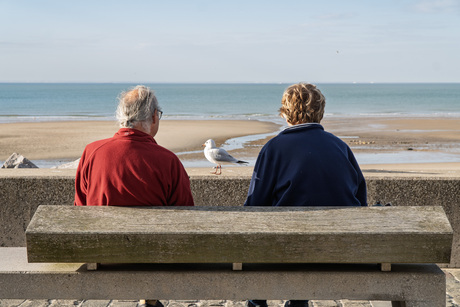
(131, 169)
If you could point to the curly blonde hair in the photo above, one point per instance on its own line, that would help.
(302, 103)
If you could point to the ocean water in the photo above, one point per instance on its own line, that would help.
(29, 102)
(49, 102)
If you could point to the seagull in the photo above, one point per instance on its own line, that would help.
(218, 156)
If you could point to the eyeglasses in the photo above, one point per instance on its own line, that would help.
(160, 114)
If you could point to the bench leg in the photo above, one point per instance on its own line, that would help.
(92, 266)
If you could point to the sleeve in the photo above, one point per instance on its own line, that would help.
(262, 183)
(180, 194)
(80, 184)
(361, 193)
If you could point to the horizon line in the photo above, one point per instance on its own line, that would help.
(153, 82)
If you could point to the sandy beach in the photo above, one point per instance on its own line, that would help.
(438, 138)
(67, 139)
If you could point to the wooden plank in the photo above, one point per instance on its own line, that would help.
(239, 235)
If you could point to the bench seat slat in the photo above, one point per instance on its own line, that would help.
(239, 234)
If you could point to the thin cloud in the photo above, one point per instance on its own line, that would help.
(338, 16)
(438, 6)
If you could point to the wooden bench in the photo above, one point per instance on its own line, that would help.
(186, 253)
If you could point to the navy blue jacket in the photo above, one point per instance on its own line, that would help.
(306, 166)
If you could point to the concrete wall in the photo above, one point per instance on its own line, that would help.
(20, 195)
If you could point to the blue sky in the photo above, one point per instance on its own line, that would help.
(230, 41)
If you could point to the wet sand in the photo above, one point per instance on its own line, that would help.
(66, 140)
(439, 138)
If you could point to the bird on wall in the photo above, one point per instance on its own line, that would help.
(218, 156)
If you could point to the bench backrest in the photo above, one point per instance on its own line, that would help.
(239, 234)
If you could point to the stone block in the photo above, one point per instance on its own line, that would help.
(419, 285)
(239, 234)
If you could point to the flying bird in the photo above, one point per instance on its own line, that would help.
(218, 156)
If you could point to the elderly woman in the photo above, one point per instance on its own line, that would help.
(305, 165)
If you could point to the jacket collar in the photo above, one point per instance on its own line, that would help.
(302, 127)
(134, 133)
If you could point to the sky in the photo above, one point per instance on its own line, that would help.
(230, 41)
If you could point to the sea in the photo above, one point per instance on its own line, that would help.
(36, 102)
(26, 102)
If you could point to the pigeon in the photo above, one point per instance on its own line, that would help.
(218, 156)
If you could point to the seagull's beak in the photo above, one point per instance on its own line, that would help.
(203, 145)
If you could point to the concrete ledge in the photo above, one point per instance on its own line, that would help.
(423, 285)
(22, 191)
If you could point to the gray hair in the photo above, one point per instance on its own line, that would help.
(137, 106)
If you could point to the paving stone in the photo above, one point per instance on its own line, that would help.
(184, 303)
(348, 303)
(95, 303)
(325, 303)
(380, 304)
(220, 303)
(235, 304)
(211, 303)
(453, 287)
(271, 303)
(215, 303)
(63, 303)
(10, 303)
(35, 303)
(121, 303)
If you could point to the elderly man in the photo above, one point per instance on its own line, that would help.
(131, 169)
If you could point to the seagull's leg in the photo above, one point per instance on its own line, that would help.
(220, 169)
(215, 170)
